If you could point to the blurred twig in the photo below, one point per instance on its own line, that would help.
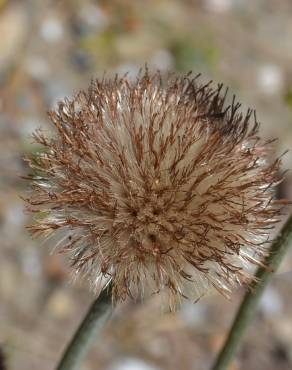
(2, 360)
(249, 304)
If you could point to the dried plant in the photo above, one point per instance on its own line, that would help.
(156, 185)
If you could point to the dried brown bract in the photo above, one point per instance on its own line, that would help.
(157, 186)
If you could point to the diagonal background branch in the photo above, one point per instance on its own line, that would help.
(250, 301)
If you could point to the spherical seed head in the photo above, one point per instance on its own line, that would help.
(157, 186)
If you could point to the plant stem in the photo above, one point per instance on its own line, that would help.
(250, 301)
(96, 317)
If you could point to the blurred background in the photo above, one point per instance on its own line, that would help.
(49, 50)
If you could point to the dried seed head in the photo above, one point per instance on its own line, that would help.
(156, 186)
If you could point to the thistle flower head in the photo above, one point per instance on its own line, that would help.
(157, 186)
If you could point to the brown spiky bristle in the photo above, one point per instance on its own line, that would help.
(156, 185)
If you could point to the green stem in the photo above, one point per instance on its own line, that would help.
(96, 317)
(250, 301)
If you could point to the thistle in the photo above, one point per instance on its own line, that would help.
(156, 186)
